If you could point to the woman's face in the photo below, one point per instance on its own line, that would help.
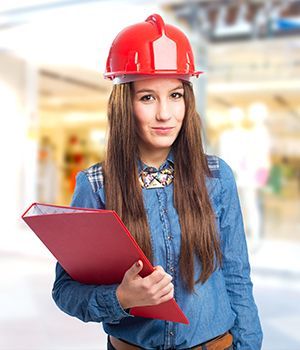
(159, 109)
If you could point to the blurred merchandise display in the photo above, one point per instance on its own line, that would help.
(220, 20)
(75, 160)
(47, 178)
(61, 157)
(246, 146)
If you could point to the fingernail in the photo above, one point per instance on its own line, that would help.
(137, 264)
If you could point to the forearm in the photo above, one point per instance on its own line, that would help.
(247, 333)
(89, 303)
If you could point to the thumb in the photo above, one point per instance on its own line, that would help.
(136, 267)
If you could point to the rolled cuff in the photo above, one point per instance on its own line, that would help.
(112, 304)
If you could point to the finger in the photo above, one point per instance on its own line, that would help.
(155, 288)
(165, 291)
(156, 276)
(167, 297)
(161, 269)
(158, 267)
(163, 283)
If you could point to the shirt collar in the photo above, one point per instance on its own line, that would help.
(170, 160)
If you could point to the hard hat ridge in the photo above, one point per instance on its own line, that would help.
(158, 22)
(150, 49)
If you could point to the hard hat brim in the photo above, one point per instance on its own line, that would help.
(120, 78)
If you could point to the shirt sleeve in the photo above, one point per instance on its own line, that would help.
(247, 332)
(89, 303)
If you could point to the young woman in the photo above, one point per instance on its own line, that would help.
(180, 204)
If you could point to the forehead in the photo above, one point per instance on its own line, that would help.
(157, 84)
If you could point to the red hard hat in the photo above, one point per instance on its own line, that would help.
(150, 48)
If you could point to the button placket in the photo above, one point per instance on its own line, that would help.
(169, 335)
(170, 330)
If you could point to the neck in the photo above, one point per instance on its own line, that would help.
(154, 158)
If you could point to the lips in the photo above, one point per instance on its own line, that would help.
(163, 130)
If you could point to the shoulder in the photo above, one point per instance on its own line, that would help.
(218, 167)
(94, 174)
(213, 164)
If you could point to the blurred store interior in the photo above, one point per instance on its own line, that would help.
(53, 107)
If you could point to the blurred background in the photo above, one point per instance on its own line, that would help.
(53, 102)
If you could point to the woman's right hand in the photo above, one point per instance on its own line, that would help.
(135, 290)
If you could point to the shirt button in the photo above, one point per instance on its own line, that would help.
(170, 237)
(171, 333)
(172, 268)
(164, 210)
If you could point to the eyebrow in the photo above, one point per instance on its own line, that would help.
(149, 90)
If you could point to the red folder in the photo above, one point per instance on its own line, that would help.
(95, 247)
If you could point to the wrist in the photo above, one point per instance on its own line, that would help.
(121, 299)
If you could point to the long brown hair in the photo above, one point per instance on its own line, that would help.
(124, 195)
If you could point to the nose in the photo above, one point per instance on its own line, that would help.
(163, 112)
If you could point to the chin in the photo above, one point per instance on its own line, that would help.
(162, 146)
(164, 143)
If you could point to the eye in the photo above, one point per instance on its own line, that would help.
(176, 95)
(146, 98)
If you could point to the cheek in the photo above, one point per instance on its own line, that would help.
(142, 114)
(140, 118)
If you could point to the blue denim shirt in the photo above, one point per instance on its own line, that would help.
(224, 302)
